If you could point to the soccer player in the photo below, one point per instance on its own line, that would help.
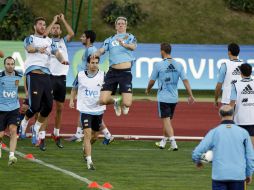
(233, 156)
(39, 49)
(120, 47)
(229, 73)
(87, 39)
(242, 97)
(58, 71)
(9, 105)
(168, 72)
(87, 86)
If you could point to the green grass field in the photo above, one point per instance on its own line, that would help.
(127, 165)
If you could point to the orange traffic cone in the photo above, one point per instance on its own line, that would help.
(107, 185)
(29, 156)
(4, 145)
(93, 184)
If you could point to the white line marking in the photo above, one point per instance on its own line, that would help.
(83, 179)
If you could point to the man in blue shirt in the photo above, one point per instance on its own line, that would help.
(9, 105)
(233, 156)
(120, 47)
(168, 72)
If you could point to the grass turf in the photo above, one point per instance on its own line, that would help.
(127, 165)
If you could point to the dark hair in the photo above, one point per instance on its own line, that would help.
(234, 49)
(39, 19)
(166, 47)
(9, 57)
(58, 23)
(89, 58)
(224, 113)
(246, 69)
(91, 35)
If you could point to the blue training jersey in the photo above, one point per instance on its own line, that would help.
(9, 91)
(117, 53)
(168, 72)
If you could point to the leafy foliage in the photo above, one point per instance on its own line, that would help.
(243, 5)
(131, 11)
(17, 23)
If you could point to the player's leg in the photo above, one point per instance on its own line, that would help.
(13, 143)
(2, 128)
(125, 88)
(108, 138)
(87, 151)
(77, 137)
(166, 112)
(59, 93)
(24, 107)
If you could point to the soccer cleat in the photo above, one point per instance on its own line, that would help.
(34, 136)
(160, 145)
(125, 110)
(12, 160)
(90, 166)
(173, 146)
(108, 141)
(57, 140)
(42, 145)
(117, 106)
(73, 139)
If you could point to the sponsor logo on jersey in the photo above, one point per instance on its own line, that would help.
(10, 94)
(247, 90)
(236, 71)
(244, 100)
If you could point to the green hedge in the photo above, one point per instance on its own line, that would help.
(243, 5)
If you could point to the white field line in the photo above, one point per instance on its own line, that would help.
(83, 179)
(135, 137)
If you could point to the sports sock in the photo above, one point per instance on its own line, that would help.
(11, 154)
(89, 159)
(24, 124)
(172, 138)
(106, 133)
(56, 132)
(79, 132)
(42, 134)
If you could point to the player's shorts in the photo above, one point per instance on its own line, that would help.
(230, 184)
(91, 121)
(8, 117)
(123, 77)
(166, 109)
(249, 128)
(59, 87)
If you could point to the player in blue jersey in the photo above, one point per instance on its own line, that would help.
(168, 72)
(233, 157)
(120, 47)
(9, 105)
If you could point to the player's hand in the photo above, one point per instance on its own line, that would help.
(147, 91)
(121, 41)
(61, 16)
(56, 18)
(191, 100)
(248, 180)
(199, 165)
(71, 104)
(42, 50)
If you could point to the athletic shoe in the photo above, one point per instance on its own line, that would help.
(117, 106)
(125, 110)
(160, 145)
(108, 141)
(90, 166)
(34, 138)
(173, 146)
(12, 160)
(73, 139)
(57, 140)
(42, 145)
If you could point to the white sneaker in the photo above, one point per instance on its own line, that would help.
(173, 146)
(160, 144)
(125, 110)
(117, 106)
(90, 166)
(12, 160)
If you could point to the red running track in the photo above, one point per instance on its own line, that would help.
(189, 120)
